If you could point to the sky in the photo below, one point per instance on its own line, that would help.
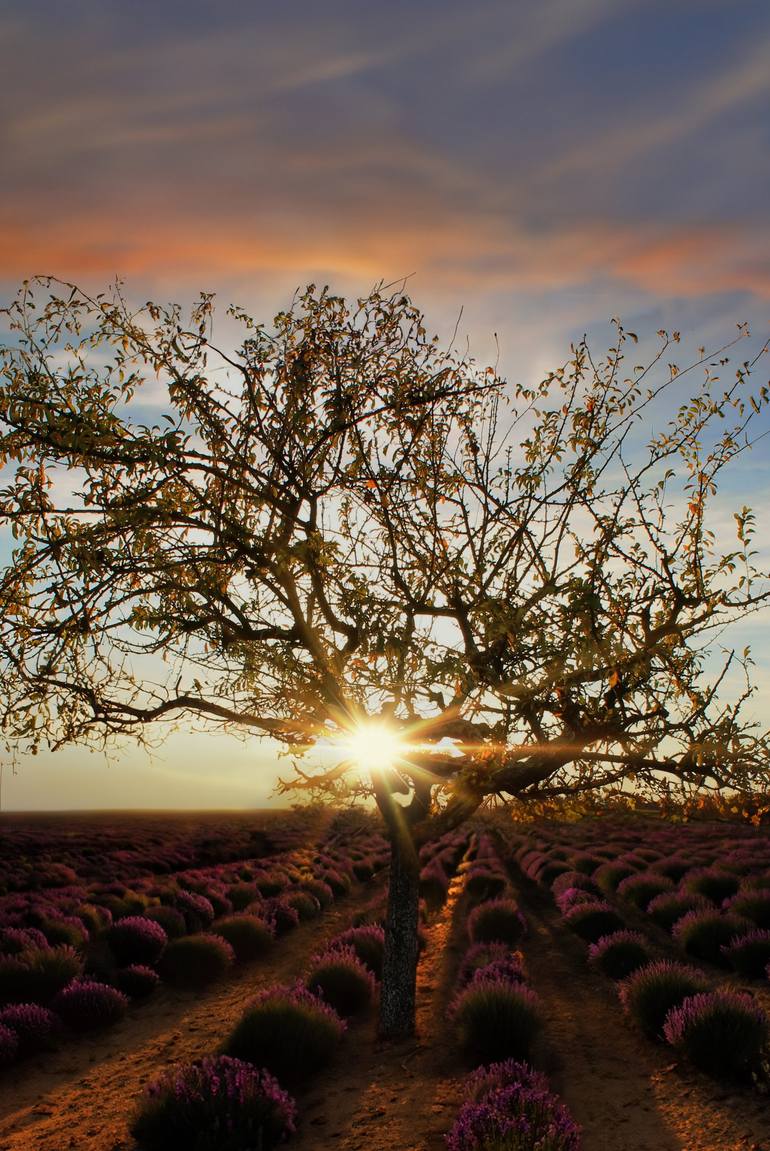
(535, 166)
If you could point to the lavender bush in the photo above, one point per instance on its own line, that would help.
(649, 994)
(289, 1031)
(495, 1020)
(86, 1005)
(512, 1109)
(219, 1104)
(593, 920)
(619, 954)
(497, 919)
(749, 954)
(667, 908)
(196, 960)
(35, 1027)
(368, 942)
(480, 955)
(137, 939)
(640, 889)
(722, 1032)
(703, 934)
(342, 980)
(137, 981)
(249, 936)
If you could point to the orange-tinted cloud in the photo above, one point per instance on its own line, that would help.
(485, 254)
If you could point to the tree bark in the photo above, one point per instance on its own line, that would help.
(399, 968)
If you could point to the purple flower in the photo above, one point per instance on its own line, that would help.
(722, 1032)
(34, 1026)
(522, 1116)
(218, 1104)
(136, 939)
(86, 1005)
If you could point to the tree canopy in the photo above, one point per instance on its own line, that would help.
(339, 520)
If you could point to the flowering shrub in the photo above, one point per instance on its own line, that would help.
(9, 1045)
(322, 892)
(196, 960)
(305, 904)
(498, 919)
(137, 981)
(486, 1079)
(338, 881)
(280, 913)
(342, 980)
(289, 1031)
(593, 920)
(572, 879)
(666, 908)
(721, 1032)
(270, 883)
(137, 939)
(496, 956)
(219, 1104)
(510, 1108)
(495, 1020)
(753, 904)
(641, 888)
(749, 954)
(649, 994)
(507, 969)
(35, 1027)
(609, 876)
(196, 909)
(572, 896)
(64, 929)
(434, 885)
(703, 934)
(16, 939)
(171, 920)
(248, 935)
(485, 881)
(619, 954)
(242, 894)
(86, 1005)
(714, 884)
(368, 942)
(37, 973)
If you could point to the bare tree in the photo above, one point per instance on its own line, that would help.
(341, 536)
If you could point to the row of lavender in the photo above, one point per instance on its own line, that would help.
(72, 957)
(636, 895)
(41, 850)
(240, 1096)
(497, 1019)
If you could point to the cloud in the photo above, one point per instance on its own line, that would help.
(489, 252)
(647, 129)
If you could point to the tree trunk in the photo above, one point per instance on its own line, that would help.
(399, 968)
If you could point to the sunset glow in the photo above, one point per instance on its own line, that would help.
(373, 746)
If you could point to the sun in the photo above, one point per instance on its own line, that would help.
(373, 745)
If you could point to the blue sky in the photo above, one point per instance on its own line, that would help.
(542, 164)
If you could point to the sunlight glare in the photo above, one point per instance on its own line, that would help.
(374, 746)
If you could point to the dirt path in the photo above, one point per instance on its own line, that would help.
(393, 1096)
(81, 1097)
(627, 1093)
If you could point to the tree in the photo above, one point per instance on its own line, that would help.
(340, 525)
